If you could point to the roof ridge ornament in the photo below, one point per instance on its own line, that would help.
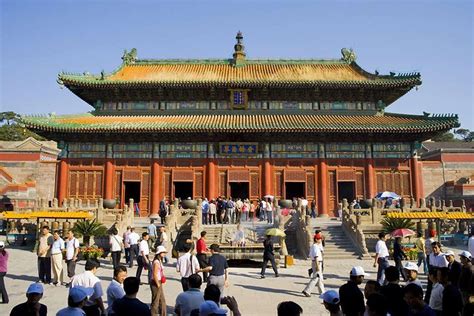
(129, 57)
(348, 55)
(239, 51)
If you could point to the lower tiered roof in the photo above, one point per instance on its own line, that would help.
(237, 123)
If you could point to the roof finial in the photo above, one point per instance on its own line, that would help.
(239, 53)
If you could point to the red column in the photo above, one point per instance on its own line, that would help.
(421, 189)
(109, 179)
(211, 180)
(268, 178)
(323, 189)
(416, 179)
(62, 181)
(155, 188)
(370, 178)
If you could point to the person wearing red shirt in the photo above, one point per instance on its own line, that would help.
(202, 251)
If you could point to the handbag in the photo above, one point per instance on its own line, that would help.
(163, 278)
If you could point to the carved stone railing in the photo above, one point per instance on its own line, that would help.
(352, 227)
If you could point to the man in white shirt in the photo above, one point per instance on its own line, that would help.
(72, 250)
(57, 258)
(187, 264)
(164, 242)
(381, 258)
(304, 206)
(143, 261)
(87, 279)
(436, 297)
(115, 289)
(317, 276)
(132, 240)
(116, 244)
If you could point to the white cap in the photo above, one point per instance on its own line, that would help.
(2, 244)
(449, 253)
(466, 254)
(411, 266)
(358, 271)
(160, 249)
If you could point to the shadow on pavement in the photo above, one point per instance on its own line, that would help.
(22, 277)
(266, 289)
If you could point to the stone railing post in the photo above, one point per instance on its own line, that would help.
(55, 203)
(101, 204)
(422, 203)
(199, 213)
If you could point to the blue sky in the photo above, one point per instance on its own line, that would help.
(41, 38)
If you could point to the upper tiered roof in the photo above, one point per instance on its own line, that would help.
(238, 72)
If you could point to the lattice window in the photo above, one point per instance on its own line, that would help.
(183, 175)
(90, 184)
(254, 186)
(81, 192)
(278, 184)
(360, 184)
(238, 175)
(405, 180)
(295, 175)
(145, 183)
(310, 191)
(167, 184)
(73, 183)
(380, 182)
(118, 185)
(332, 183)
(198, 185)
(222, 183)
(345, 175)
(131, 175)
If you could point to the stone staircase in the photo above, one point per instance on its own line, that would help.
(338, 245)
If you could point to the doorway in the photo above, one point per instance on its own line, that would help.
(183, 190)
(132, 191)
(239, 190)
(346, 190)
(294, 190)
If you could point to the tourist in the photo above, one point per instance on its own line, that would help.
(454, 268)
(413, 296)
(314, 211)
(94, 305)
(436, 294)
(339, 211)
(76, 300)
(230, 211)
(213, 298)
(465, 279)
(304, 206)
(352, 299)
(191, 299)
(470, 244)
(72, 250)
(116, 245)
(202, 252)
(132, 240)
(332, 302)
(212, 212)
(220, 210)
(130, 304)
(32, 306)
(377, 305)
(393, 292)
(126, 245)
(371, 287)
(452, 302)
(381, 257)
(152, 234)
(317, 274)
(204, 211)
(421, 252)
(246, 210)
(218, 269)
(158, 279)
(239, 205)
(289, 309)
(115, 289)
(163, 211)
(164, 239)
(268, 256)
(411, 272)
(263, 209)
(428, 247)
(269, 211)
(436, 259)
(44, 255)
(187, 265)
(3, 271)
(239, 237)
(143, 261)
(57, 259)
(398, 255)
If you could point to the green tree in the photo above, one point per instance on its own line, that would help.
(445, 137)
(465, 134)
(11, 130)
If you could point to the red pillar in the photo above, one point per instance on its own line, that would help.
(323, 189)
(370, 178)
(155, 188)
(268, 178)
(62, 181)
(416, 179)
(211, 180)
(109, 179)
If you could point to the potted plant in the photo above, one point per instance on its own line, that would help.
(390, 224)
(91, 252)
(88, 228)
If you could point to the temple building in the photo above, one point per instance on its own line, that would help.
(239, 127)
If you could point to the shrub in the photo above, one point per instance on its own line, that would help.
(390, 224)
(88, 228)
